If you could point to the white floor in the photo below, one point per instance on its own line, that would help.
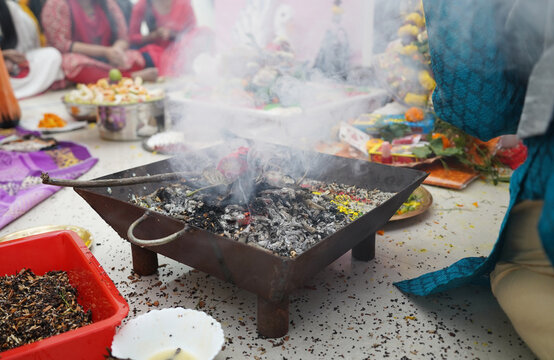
(350, 310)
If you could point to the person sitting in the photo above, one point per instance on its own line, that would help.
(172, 32)
(32, 69)
(35, 6)
(92, 37)
(494, 69)
(32, 8)
(165, 20)
(126, 7)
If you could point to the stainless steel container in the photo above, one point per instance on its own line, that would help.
(130, 121)
(80, 112)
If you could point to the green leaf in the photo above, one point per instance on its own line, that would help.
(439, 150)
(451, 151)
(444, 164)
(436, 145)
(422, 152)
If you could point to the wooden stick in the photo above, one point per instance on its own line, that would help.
(190, 193)
(46, 179)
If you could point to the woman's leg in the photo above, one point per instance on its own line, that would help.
(89, 74)
(79, 68)
(523, 280)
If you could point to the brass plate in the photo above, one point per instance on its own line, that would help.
(426, 201)
(84, 234)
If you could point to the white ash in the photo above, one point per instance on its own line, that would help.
(286, 221)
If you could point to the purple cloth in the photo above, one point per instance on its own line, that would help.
(20, 185)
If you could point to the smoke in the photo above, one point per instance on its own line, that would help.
(266, 85)
(263, 86)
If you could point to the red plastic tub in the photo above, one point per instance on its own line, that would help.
(64, 250)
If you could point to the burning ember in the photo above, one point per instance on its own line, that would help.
(263, 206)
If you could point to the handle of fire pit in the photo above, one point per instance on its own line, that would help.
(154, 242)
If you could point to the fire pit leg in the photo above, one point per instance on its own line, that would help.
(365, 250)
(273, 317)
(145, 262)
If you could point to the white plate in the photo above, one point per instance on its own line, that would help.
(32, 125)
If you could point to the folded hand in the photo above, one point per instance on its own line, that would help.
(116, 57)
(14, 56)
(163, 33)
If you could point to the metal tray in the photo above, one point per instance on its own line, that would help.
(268, 275)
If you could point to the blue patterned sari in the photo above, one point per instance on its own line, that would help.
(482, 73)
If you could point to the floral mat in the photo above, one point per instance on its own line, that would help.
(23, 156)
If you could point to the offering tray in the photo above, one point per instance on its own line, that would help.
(266, 124)
(271, 277)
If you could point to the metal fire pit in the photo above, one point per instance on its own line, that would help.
(268, 275)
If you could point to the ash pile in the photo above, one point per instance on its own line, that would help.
(253, 199)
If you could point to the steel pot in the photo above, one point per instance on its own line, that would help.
(80, 112)
(130, 121)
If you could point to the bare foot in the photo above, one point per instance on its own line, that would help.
(148, 74)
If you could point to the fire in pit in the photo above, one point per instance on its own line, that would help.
(241, 218)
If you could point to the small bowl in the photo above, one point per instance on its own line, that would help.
(96, 292)
(80, 112)
(131, 121)
(159, 333)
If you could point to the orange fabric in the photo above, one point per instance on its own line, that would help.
(9, 107)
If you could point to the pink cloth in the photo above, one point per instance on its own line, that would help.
(90, 30)
(177, 59)
(179, 19)
(172, 57)
(61, 32)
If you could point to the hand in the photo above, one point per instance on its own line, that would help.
(116, 56)
(14, 56)
(163, 33)
(121, 44)
(10, 66)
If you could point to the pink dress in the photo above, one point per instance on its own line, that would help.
(179, 19)
(62, 31)
(171, 57)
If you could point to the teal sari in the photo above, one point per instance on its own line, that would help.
(482, 67)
